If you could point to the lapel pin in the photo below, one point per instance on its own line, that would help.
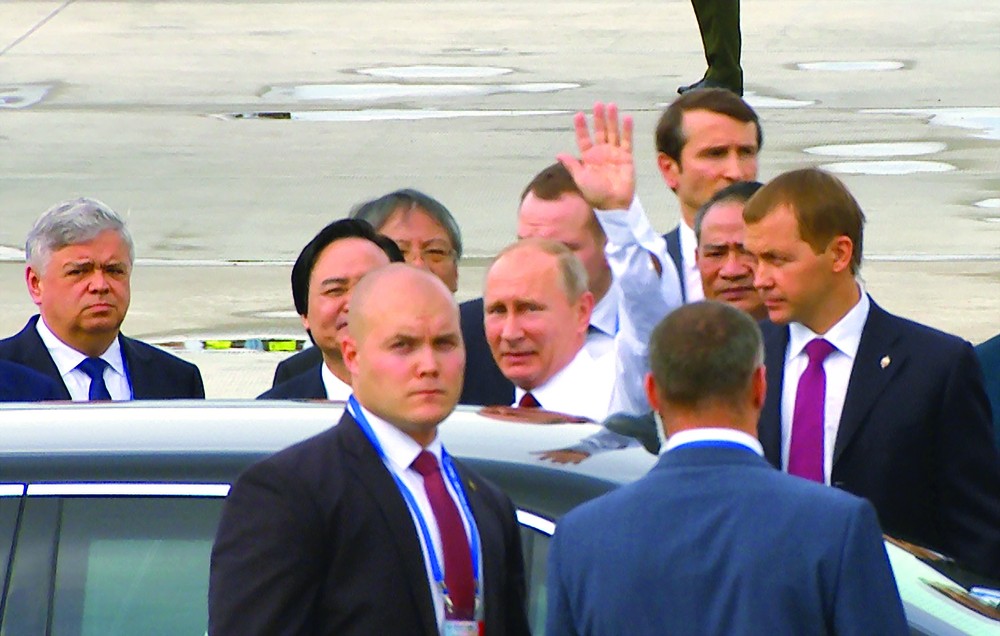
(472, 485)
(884, 362)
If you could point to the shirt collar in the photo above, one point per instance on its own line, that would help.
(577, 373)
(605, 314)
(713, 435)
(399, 448)
(336, 389)
(845, 335)
(66, 358)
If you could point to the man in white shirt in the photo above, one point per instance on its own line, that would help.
(371, 527)
(706, 140)
(692, 547)
(79, 269)
(326, 271)
(858, 398)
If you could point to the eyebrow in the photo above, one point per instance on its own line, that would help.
(342, 280)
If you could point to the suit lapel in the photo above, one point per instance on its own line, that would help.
(376, 479)
(141, 374)
(877, 362)
(769, 425)
(489, 542)
(673, 239)
(35, 354)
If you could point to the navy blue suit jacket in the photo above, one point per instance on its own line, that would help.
(914, 437)
(484, 384)
(714, 541)
(307, 385)
(18, 383)
(989, 360)
(317, 540)
(153, 374)
(673, 239)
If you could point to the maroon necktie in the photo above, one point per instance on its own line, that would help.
(528, 401)
(458, 575)
(805, 457)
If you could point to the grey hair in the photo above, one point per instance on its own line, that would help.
(572, 273)
(71, 223)
(377, 212)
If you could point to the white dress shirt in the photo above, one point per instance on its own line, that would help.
(845, 336)
(336, 389)
(582, 388)
(400, 450)
(77, 382)
(730, 435)
(692, 275)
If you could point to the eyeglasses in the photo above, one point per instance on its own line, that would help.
(433, 253)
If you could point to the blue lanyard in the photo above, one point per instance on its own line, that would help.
(449, 469)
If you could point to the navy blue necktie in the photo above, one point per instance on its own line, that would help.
(94, 367)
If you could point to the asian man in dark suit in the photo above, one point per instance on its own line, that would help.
(18, 383)
(323, 276)
(706, 139)
(321, 538)
(79, 266)
(714, 540)
(858, 398)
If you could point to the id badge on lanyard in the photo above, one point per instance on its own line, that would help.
(454, 627)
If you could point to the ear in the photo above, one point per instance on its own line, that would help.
(841, 249)
(34, 282)
(305, 321)
(585, 306)
(349, 352)
(758, 387)
(669, 169)
(652, 394)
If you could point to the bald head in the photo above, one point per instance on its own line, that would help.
(404, 349)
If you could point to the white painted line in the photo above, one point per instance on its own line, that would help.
(377, 91)
(433, 71)
(888, 168)
(885, 149)
(11, 490)
(848, 67)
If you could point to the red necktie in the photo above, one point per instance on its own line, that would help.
(528, 401)
(805, 457)
(458, 575)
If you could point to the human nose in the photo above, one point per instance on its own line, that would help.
(98, 281)
(762, 278)
(427, 361)
(511, 328)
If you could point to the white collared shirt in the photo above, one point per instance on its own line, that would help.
(845, 336)
(582, 388)
(77, 382)
(730, 435)
(400, 450)
(604, 325)
(692, 275)
(336, 389)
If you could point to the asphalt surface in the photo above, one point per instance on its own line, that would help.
(149, 106)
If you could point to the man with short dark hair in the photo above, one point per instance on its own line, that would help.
(858, 398)
(322, 279)
(79, 268)
(706, 140)
(726, 267)
(713, 540)
(371, 527)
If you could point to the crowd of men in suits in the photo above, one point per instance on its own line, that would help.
(593, 314)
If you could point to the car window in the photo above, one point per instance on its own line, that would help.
(10, 507)
(133, 565)
(536, 554)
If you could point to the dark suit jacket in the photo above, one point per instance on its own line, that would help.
(18, 383)
(153, 374)
(318, 540)
(989, 360)
(913, 439)
(692, 548)
(484, 384)
(673, 239)
(307, 385)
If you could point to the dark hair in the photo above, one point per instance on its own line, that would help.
(824, 209)
(739, 192)
(338, 230)
(704, 353)
(670, 138)
(377, 212)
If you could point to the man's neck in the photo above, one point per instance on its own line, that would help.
(842, 298)
(677, 419)
(89, 344)
(335, 363)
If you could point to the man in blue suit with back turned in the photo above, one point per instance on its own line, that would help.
(862, 400)
(714, 540)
